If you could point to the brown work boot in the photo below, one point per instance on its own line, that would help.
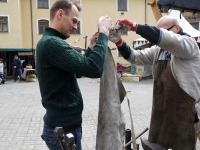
(197, 130)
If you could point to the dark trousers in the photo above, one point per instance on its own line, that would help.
(52, 142)
(2, 76)
(17, 72)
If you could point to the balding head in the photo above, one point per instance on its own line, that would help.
(66, 5)
(168, 22)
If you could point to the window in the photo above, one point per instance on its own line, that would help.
(78, 31)
(122, 5)
(195, 25)
(3, 24)
(3, 0)
(43, 4)
(42, 24)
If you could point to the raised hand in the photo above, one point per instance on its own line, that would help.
(115, 34)
(93, 39)
(105, 24)
(127, 25)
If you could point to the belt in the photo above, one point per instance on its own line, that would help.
(68, 128)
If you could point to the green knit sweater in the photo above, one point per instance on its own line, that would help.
(57, 66)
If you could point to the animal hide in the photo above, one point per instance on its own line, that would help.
(111, 124)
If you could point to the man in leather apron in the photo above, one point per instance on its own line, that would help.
(173, 111)
(175, 59)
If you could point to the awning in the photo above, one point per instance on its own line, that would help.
(25, 53)
(16, 49)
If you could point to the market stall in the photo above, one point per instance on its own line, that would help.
(29, 74)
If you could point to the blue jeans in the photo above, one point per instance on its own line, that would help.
(52, 142)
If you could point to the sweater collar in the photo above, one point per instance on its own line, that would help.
(53, 32)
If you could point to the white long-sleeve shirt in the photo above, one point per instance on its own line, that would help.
(1, 67)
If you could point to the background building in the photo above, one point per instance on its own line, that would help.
(15, 32)
(22, 24)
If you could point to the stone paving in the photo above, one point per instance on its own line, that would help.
(21, 113)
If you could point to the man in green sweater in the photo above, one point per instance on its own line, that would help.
(58, 65)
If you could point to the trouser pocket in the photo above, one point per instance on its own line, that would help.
(50, 139)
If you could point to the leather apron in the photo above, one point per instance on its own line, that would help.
(173, 111)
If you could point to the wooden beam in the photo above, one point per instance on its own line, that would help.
(155, 9)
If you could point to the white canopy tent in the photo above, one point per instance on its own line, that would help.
(185, 25)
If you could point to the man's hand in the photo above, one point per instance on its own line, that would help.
(127, 25)
(93, 40)
(105, 24)
(115, 34)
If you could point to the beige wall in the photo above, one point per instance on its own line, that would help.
(26, 24)
(93, 9)
(38, 14)
(13, 38)
(20, 35)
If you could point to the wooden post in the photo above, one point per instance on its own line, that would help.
(155, 9)
(34, 57)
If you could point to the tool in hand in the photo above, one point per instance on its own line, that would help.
(67, 142)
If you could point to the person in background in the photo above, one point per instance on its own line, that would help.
(58, 66)
(175, 60)
(17, 66)
(2, 80)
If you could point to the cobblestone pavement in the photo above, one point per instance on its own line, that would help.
(21, 113)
